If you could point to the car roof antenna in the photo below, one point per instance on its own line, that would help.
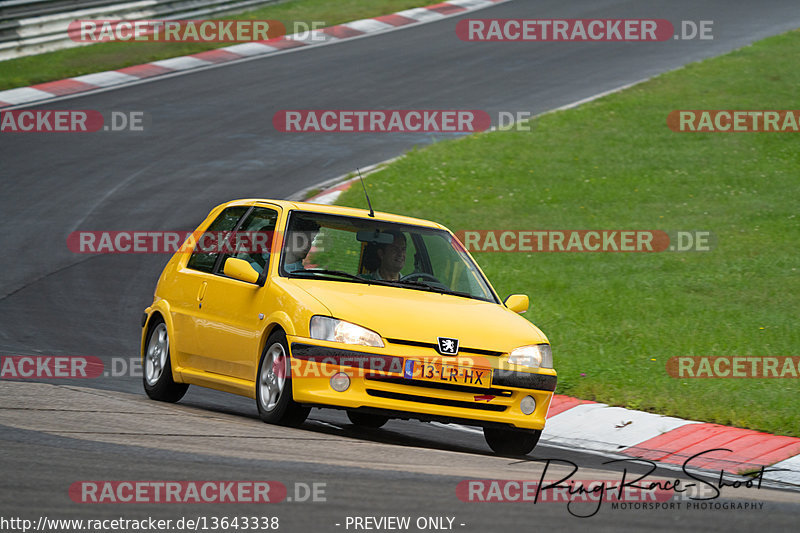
(371, 212)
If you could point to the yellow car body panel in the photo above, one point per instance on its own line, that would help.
(218, 327)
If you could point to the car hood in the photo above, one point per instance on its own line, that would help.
(414, 315)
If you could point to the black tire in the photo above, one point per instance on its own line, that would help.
(273, 390)
(157, 368)
(511, 441)
(367, 420)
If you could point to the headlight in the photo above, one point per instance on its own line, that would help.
(325, 328)
(534, 356)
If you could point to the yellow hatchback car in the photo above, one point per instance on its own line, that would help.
(301, 305)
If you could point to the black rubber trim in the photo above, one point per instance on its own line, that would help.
(523, 380)
(435, 401)
(348, 358)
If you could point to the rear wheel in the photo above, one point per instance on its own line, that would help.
(511, 441)
(157, 377)
(368, 420)
(274, 385)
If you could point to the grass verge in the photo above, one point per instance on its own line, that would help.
(110, 56)
(614, 319)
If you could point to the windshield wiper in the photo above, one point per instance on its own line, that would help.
(390, 283)
(340, 273)
(433, 288)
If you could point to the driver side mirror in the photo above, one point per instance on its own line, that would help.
(240, 269)
(518, 303)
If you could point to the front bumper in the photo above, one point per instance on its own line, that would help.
(378, 382)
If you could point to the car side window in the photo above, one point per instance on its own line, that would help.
(253, 241)
(204, 260)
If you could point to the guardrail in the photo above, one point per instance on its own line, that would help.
(29, 27)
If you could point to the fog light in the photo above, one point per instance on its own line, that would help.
(340, 382)
(527, 405)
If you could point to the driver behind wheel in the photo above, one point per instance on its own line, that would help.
(391, 259)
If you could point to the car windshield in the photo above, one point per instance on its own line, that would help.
(362, 250)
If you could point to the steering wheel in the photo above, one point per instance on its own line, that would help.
(421, 276)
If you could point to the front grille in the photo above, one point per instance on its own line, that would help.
(434, 346)
(436, 401)
(440, 386)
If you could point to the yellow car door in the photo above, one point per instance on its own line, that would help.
(186, 289)
(234, 310)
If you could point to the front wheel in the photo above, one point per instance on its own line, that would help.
(157, 376)
(511, 441)
(274, 385)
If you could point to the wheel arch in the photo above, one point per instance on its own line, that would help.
(160, 311)
(277, 321)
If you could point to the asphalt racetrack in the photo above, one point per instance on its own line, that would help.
(209, 139)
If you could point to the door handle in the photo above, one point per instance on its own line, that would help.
(202, 292)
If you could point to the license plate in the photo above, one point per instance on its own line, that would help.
(447, 373)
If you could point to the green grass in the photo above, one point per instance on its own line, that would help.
(615, 319)
(110, 56)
